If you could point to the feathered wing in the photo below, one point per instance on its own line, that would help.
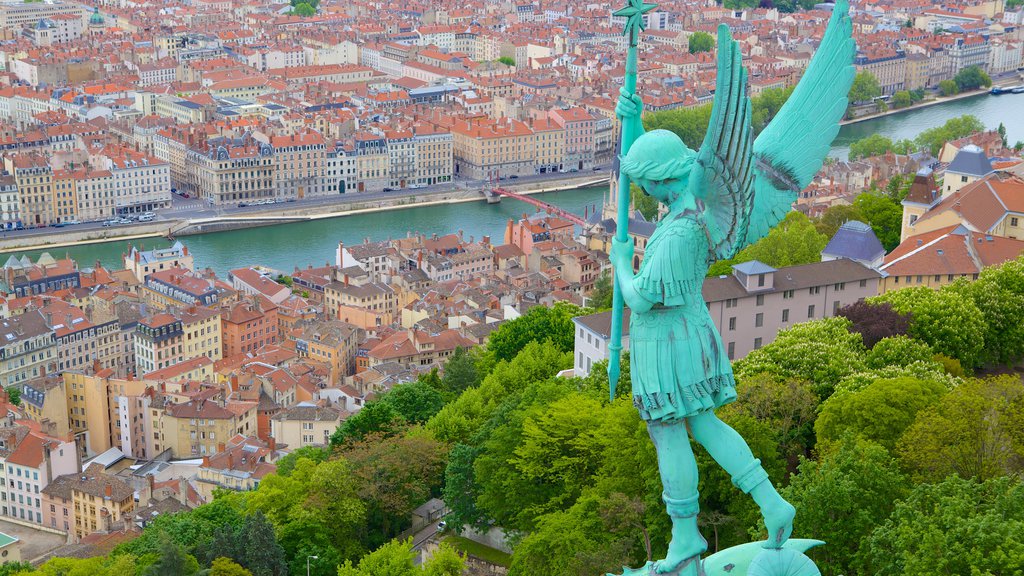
(791, 149)
(724, 171)
(749, 185)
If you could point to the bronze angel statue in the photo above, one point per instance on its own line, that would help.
(720, 199)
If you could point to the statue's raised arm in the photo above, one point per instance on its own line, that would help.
(748, 185)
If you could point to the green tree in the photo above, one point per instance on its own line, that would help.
(874, 145)
(689, 124)
(460, 372)
(787, 405)
(884, 215)
(172, 560)
(972, 78)
(879, 412)
(15, 568)
(14, 395)
(392, 559)
(999, 294)
(286, 464)
(974, 431)
(794, 241)
(956, 526)
(947, 88)
(378, 417)
(444, 562)
(766, 105)
(844, 496)
(904, 146)
(539, 324)
(227, 567)
(415, 401)
(947, 321)
(933, 139)
(822, 352)
(393, 476)
(865, 87)
(507, 60)
(305, 10)
(601, 294)
(898, 351)
(1002, 134)
(902, 99)
(701, 42)
(828, 223)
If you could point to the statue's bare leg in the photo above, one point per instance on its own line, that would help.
(679, 480)
(731, 452)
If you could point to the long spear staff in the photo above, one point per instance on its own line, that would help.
(633, 12)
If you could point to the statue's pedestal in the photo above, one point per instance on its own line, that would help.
(750, 559)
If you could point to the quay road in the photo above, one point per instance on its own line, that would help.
(194, 209)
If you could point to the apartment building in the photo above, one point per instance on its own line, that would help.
(81, 344)
(29, 469)
(239, 465)
(202, 333)
(248, 326)
(488, 149)
(433, 162)
(158, 343)
(579, 137)
(20, 278)
(305, 424)
(368, 305)
(34, 179)
(28, 349)
(202, 427)
(332, 342)
(99, 502)
(177, 287)
(10, 205)
(142, 262)
(301, 160)
(226, 172)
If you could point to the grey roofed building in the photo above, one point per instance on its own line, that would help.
(970, 160)
(855, 241)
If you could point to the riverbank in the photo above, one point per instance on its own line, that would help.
(272, 216)
(918, 106)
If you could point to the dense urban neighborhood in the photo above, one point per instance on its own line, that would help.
(438, 404)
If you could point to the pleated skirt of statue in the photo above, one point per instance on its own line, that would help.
(678, 365)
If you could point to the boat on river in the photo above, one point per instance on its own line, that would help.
(997, 90)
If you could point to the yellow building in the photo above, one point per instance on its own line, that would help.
(549, 138)
(34, 178)
(202, 427)
(100, 501)
(485, 148)
(368, 305)
(94, 402)
(332, 342)
(202, 333)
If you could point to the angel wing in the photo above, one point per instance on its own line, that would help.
(750, 184)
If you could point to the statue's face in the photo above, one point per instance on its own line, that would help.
(664, 191)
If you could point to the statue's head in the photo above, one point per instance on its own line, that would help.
(659, 163)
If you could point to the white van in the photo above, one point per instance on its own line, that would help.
(147, 217)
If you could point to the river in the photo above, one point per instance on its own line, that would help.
(991, 110)
(285, 246)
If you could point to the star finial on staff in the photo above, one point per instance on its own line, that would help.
(633, 12)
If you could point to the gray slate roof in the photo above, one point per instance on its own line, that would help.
(970, 160)
(854, 240)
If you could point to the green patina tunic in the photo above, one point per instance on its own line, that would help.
(678, 365)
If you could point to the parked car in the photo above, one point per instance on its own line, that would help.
(290, 200)
(111, 222)
(514, 176)
(72, 222)
(58, 224)
(388, 190)
(441, 526)
(124, 220)
(147, 217)
(243, 204)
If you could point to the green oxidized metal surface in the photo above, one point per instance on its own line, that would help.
(720, 198)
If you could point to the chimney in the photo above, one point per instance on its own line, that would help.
(220, 447)
(206, 461)
(183, 491)
(108, 491)
(231, 460)
(272, 444)
(346, 279)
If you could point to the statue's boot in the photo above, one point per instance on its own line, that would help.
(777, 513)
(687, 544)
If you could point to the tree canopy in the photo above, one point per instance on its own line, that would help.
(701, 42)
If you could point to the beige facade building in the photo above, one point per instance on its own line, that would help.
(305, 424)
(487, 149)
(202, 427)
(239, 465)
(224, 173)
(34, 179)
